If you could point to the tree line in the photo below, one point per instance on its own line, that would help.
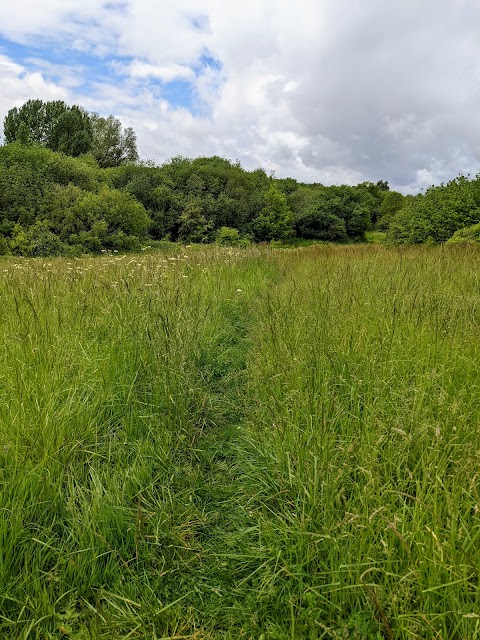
(71, 183)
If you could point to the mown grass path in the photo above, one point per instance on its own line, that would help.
(217, 573)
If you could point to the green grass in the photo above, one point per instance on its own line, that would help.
(375, 237)
(241, 443)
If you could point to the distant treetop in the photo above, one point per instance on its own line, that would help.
(71, 130)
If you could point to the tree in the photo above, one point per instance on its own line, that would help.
(53, 124)
(391, 204)
(317, 223)
(275, 222)
(228, 236)
(112, 146)
(23, 134)
(194, 226)
(438, 213)
(72, 133)
(469, 234)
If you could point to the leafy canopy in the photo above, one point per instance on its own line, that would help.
(71, 130)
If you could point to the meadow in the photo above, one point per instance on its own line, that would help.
(238, 443)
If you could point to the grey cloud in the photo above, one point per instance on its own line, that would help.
(340, 90)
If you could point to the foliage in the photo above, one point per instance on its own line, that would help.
(391, 204)
(71, 130)
(49, 201)
(228, 236)
(111, 144)
(334, 213)
(436, 215)
(317, 223)
(104, 197)
(42, 242)
(469, 234)
(4, 247)
(275, 221)
(55, 125)
(194, 226)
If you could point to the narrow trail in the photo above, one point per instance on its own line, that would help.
(225, 553)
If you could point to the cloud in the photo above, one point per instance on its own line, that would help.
(167, 73)
(335, 91)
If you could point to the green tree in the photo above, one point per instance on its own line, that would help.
(112, 145)
(119, 210)
(228, 236)
(391, 204)
(469, 234)
(317, 223)
(194, 226)
(53, 124)
(42, 242)
(438, 213)
(275, 222)
(23, 134)
(318, 210)
(72, 133)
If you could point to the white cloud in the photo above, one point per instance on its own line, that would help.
(340, 90)
(166, 73)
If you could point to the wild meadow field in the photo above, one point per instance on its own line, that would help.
(241, 443)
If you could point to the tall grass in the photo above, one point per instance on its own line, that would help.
(366, 377)
(222, 443)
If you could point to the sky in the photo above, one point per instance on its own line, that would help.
(330, 91)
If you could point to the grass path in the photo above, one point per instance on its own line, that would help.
(125, 500)
(214, 479)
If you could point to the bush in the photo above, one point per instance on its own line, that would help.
(469, 234)
(42, 242)
(391, 204)
(275, 222)
(318, 224)
(228, 236)
(103, 215)
(438, 213)
(120, 241)
(19, 242)
(4, 248)
(194, 226)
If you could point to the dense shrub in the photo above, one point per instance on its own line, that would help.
(42, 242)
(317, 224)
(391, 204)
(194, 226)
(275, 221)
(436, 215)
(335, 213)
(469, 234)
(50, 201)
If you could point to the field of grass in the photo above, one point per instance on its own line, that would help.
(241, 443)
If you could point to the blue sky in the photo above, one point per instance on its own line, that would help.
(83, 70)
(338, 91)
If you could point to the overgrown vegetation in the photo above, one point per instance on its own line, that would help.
(53, 204)
(438, 213)
(241, 443)
(61, 162)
